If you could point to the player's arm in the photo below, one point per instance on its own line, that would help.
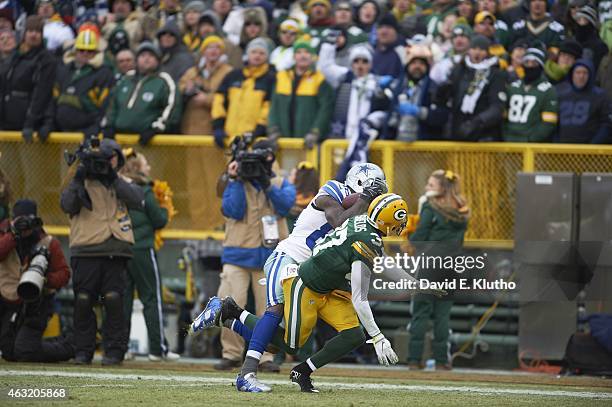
(360, 282)
(335, 213)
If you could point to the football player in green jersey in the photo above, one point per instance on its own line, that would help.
(332, 285)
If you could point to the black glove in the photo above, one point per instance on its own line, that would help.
(43, 133)
(28, 134)
(376, 188)
(468, 128)
(310, 140)
(146, 136)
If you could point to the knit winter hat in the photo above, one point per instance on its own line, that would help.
(195, 5)
(572, 47)
(360, 51)
(343, 5)
(462, 29)
(148, 46)
(304, 43)
(589, 13)
(25, 207)
(390, 21)
(212, 39)
(535, 54)
(312, 3)
(480, 41)
(289, 25)
(480, 17)
(258, 43)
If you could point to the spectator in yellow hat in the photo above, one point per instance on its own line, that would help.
(81, 90)
(320, 19)
(282, 56)
(200, 83)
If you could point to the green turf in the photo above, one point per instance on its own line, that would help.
(124, 391)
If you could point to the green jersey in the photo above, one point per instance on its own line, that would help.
(531, 112)
(330, 266)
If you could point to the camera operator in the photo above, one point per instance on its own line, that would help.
(32, 268)
(101, 239)
(255, 203)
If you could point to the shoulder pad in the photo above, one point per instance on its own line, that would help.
(556, 26)
(337, 190)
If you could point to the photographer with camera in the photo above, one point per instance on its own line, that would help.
(255, 204)
(101, 240)
(32, 268)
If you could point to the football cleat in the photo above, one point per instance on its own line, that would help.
(303, 380)
(250, 384)
(207, 318)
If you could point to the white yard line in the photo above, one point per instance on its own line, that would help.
(218, 381)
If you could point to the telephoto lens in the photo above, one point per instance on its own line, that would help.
(32, 280)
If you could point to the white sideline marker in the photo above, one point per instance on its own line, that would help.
(222, 381)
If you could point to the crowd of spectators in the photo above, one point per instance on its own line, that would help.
(484, 70)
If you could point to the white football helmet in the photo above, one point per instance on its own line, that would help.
(361, 175)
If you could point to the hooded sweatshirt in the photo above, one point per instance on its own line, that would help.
(584, 112)
(177, 59)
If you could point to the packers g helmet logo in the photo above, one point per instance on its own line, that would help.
(389, 213)
(400, 214)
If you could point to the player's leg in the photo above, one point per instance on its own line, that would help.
(226, 313)
(421, 309)
(268, 323)
(337, 311)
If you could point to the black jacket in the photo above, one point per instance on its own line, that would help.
(486, 120)
(81, 97)
(27, 89)
(593, 47)
(584, 114)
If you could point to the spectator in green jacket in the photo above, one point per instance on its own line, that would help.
(145, 101)
(143, 272)
(302, 101)
(443, 220)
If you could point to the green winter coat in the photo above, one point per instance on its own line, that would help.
(531, 112)
(435, 227)
(146, 221)
(303, 107)
(142, 103)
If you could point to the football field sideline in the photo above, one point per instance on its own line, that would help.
(206, 380)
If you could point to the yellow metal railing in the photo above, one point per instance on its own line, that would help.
(190, 164)
(488, 172)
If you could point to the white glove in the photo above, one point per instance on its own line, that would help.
(382, 346)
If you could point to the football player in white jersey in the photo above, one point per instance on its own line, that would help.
(324, 213)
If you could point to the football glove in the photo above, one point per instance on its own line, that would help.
(382, 346)
(374, 189)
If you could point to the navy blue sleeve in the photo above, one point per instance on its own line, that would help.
(233, 204)
(282, 198)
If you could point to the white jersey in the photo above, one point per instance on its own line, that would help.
(311, 226)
